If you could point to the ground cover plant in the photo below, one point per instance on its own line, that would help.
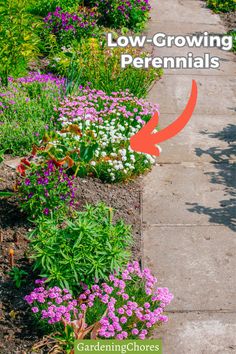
(46, 190)
(100, 66)
(71, 26)
(87, 246)
(128, 305)
(93, 135)
(132, 14)
(222, 5)
(43, 7)
(26, 110)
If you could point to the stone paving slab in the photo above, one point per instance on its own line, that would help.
(190, 193)
(182, 28)
(183, 11)
(199, 333)
(189, 204)
(217, 95)
(226, 60)
(195, 263)
(205, 138)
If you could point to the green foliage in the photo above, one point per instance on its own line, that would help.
(81, 248)
(233, 34)
(4, 194)
(100, 66)
(1, 156)
(26, 109)
(43, 7)
(46, 190)
(93, 135)
(132, 14)
(18, 276)
(222, 5)
(71, 26)
(18, 42)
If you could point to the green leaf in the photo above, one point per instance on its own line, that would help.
(4, 194)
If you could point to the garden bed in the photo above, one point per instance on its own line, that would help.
(70, 220)
(17, 328)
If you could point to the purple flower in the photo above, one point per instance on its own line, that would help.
(46, 211)
(27, 182)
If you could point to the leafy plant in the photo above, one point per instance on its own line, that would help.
(86, 247)
(233, 34)
(18, 43)
(94, 130)
(5, 194)
(71, 26)
(46, 190)
(1, 156)
(26, 110)
(222, 5)
(100, 66)
(122, 13)
(43, 7)
(129, 305)
(73, 75)
(18, 276)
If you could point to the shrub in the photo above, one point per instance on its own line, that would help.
(19, 43)
(67, 26)
(86, 247)
(46, 190)
(26, 110)
(126, 306)
(94, 131)
(122, 13)
(43, 7)
(222, 5)
(101, 67)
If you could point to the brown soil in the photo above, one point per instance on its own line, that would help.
(229, 20)
(18, 332)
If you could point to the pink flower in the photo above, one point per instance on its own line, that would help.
(83, 307)
(135, 331)
(35, 309)
(123, 319)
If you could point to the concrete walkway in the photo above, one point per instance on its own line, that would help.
(189, 200)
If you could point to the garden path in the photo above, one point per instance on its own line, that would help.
(189, 199)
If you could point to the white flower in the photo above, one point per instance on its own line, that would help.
(132, 157)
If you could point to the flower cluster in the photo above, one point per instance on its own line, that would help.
(26, 110)
(46, 190)
(133, 305)
(106, 123)
(68, 26)
(118, 13)
(54, 305)
(41, 78)
(128, 306)
(28, 88)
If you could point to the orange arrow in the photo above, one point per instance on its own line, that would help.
(145, 140)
